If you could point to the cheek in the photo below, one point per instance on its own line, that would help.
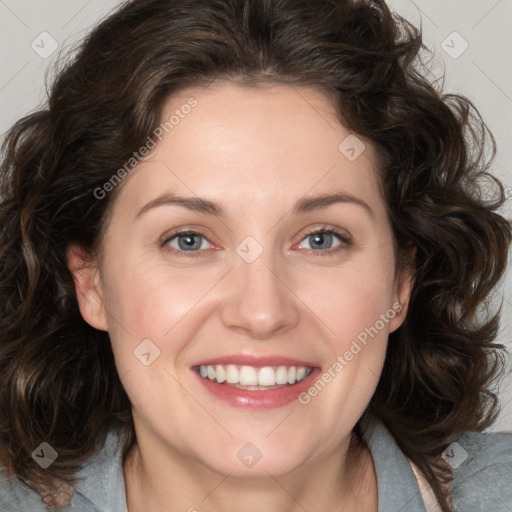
(350, 303)
(147, 305)
(351, 298)
(150, 300)
(157, 303)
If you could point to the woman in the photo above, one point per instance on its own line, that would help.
(171, 340)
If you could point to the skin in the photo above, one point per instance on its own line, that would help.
(256, 151)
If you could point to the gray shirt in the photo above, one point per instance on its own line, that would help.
(481, 464)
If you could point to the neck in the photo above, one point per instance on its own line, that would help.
(344, 481)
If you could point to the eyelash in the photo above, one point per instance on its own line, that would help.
(345, 242)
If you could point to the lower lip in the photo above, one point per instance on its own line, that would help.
(251, 399)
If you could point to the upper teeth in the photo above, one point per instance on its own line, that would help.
(250, 376)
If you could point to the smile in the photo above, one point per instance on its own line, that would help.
(255, 383)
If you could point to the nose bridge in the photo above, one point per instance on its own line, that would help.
(261, 302)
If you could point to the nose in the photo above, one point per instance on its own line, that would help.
(260, 302)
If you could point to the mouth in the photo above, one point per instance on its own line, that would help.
(254, 386)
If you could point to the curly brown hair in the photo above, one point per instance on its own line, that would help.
(58, 381)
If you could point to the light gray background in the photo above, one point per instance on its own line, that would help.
(482, 71)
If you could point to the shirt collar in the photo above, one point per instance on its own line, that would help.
(101, 481)
(397, 486)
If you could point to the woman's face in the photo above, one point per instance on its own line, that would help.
(253, 293)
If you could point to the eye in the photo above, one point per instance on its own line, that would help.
(186, 241)
(191, 243)
(321, 241)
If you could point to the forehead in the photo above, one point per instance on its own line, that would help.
(272, 143)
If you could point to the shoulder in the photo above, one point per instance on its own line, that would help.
(96, 482)
(481, 464)
(17, 497)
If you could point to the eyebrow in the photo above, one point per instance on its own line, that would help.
(213, 208)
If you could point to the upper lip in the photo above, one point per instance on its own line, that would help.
(256, 361)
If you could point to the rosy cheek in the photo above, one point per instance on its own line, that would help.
(153, 305)
(359, 329)
(145, 315)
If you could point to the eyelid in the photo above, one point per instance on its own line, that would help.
(344, 237)
(168, 235)
(341, 233)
